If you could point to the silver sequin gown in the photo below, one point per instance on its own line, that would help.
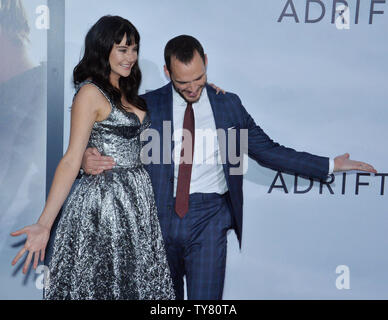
(108, 244)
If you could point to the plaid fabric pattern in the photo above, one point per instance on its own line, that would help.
(196, 247)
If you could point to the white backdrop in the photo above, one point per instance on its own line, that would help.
(310, 86)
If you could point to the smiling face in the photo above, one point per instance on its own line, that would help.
(121, 59)
(189, 79)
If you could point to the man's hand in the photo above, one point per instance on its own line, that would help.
(94, 163)
(343, 163)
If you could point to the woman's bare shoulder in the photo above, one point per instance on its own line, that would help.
(91, 96)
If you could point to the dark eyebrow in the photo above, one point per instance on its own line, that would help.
(183, 82)
(126, 47)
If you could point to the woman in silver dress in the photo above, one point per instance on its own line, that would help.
(108, 243)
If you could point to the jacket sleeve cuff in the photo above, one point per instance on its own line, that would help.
(331, 166)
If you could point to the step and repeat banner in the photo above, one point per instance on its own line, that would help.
(313, 76)
(23, 96)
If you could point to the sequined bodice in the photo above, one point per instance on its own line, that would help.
(118, 136)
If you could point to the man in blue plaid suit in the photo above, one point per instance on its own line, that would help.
(196, 238)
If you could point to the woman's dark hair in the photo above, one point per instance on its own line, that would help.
(95, 63)
(183, 48)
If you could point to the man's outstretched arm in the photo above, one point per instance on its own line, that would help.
(275, 156)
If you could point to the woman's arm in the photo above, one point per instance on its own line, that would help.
(86, 109)
(83, 115)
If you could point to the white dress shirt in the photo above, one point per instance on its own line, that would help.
(207, 175)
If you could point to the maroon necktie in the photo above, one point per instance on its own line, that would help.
(184, 175)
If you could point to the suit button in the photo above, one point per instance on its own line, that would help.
(172, 180)
(169, 207)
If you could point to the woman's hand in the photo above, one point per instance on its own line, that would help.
(37, 238)
(218, 90)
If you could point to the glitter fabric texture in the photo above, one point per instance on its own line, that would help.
(108, 244)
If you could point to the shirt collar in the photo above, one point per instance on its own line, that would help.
(179, 101)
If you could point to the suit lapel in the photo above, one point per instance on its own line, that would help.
(218, 114)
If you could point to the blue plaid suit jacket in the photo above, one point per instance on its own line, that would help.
(228, 112)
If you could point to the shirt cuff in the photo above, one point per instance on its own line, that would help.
(331, 166)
